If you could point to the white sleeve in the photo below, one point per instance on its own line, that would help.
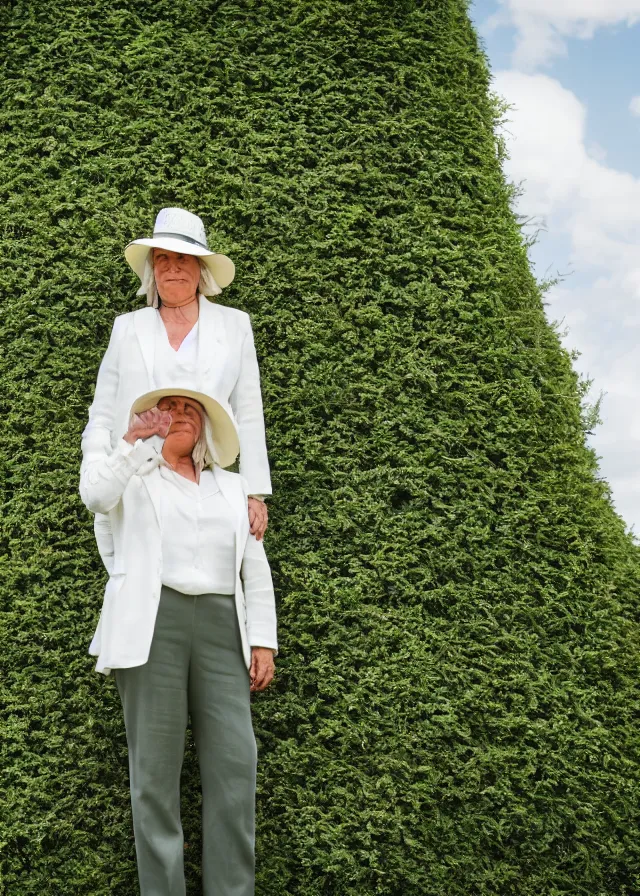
(103, 479)
(96, 438)
(104, 539)
(246, 403)
(259, 596)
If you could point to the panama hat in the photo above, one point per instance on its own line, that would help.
(223, 426)
(178, 230)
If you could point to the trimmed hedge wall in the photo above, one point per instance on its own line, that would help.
(456, 706)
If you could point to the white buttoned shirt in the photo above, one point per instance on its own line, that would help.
(198, 535)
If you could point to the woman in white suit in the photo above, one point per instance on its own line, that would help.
(188, 627)
(181, 339)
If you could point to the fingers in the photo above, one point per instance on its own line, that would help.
(150, 423)
(140, 432)
(262, 669)
(164, 423)
(258, 517)
(263, 681)
(257, 678)
(156, 420)
(268, 678)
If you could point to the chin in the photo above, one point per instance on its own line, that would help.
(172, 295)
(182, 437)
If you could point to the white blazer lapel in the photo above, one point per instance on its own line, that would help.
(145, 326)
(153, 483)
(212, 341)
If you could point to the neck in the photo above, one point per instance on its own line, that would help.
(182, 312)
(181, 464)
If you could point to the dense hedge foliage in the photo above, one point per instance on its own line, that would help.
(456, 706)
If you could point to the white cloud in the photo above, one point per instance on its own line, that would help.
(634, 106)
(598, 206)
(596, 209)
(544, 25)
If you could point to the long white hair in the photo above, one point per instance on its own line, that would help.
(207, 285)
(204, 452)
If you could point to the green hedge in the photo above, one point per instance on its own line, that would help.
(456, 706)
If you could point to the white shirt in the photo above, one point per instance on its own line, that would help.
(171, 367)
(198, 535)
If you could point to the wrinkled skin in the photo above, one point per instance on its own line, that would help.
(177, 277)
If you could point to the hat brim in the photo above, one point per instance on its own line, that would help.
(222, 268)
(224, 431)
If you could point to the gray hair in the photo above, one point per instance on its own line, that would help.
(204, 452)
(207, 285)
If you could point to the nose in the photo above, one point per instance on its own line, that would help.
(179, 407)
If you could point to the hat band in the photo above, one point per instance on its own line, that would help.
(180, 236)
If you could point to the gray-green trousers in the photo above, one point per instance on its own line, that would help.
(195, 668)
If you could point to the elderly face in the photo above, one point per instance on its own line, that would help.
(186, 422)
(177, 276)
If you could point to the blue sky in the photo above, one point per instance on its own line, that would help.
(603, 72)
(569, 70)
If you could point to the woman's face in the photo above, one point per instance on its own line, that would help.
(177, 276)
(186, 423)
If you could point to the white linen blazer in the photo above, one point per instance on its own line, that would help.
(227, 369)
(128, 487)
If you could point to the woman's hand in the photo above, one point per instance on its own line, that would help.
(258, 517)
(262, 668)
(150, 423)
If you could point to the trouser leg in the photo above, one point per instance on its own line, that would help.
(221, 720)
(155, 703)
